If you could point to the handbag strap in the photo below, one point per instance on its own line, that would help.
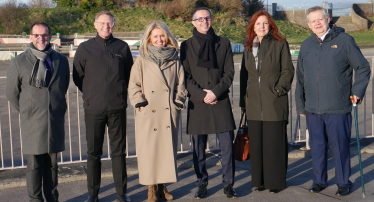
(241, 119)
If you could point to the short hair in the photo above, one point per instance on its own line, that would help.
(106, 13)
(316, 8)
(40, 23)
(170, 41)
(199, 9)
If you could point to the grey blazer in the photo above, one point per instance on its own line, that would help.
(42, 110)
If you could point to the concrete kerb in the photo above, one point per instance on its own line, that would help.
(77, 171)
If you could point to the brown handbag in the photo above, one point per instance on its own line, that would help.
(241, 144)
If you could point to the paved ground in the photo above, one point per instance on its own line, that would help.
(72, 176)
(298, 181)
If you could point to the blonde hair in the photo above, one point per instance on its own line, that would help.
(170, 41)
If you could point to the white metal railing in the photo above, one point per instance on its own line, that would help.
(11, 143)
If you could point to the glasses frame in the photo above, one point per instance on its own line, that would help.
(44, 36)
(102, 24)
(201, 19)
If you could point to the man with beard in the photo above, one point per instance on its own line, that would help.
(37, 81)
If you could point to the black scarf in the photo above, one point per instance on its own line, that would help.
(206, 51)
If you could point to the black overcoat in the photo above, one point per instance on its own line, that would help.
(204, 118)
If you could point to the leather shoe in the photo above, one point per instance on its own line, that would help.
(316, 188)
(262, 188)
(274, 191)
(123, 198)
(230, 193)
(92, 198)
(344, 191)
(201, 192)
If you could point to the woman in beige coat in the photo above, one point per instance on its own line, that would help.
(156, 91)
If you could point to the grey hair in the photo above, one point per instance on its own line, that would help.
(199, 9)
(170, 41)
(106, 13)
(316, 8)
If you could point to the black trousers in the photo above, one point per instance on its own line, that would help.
(269, 153)
(42, 171)
(95, 129)
(227, 151)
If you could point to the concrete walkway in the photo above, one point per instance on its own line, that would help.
(72, 180)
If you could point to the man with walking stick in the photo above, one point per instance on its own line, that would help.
(323, 89)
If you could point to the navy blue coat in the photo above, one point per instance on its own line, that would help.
(324, 73)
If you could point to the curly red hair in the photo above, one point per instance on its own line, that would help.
(251, 33)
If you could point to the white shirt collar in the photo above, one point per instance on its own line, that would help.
(323, 37)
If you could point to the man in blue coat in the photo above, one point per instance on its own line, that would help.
(323, 89)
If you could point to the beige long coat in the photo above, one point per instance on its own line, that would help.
(156, 125)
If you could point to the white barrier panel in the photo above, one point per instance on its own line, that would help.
(24, 40)
(8, 55)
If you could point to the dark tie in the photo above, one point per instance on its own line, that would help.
(49, 72)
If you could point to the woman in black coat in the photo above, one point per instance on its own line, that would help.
(265, 78)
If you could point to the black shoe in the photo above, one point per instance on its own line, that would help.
(274, 191)
(123, 198)
(262, 188)
(316, 188)
(230, 193)
(92, 199)
(344, 191)
(201, 192)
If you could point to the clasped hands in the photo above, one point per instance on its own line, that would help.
(210, 98)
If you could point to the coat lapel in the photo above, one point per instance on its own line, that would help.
(55, 64)
(30, 57)
(156, 70)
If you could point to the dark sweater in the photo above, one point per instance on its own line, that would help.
(101, 71)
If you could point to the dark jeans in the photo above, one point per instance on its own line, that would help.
(96, 121)
(227, 152)
(42, 171)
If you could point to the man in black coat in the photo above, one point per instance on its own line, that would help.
(101, 71)
(209, 71)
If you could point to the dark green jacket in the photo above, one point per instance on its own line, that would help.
(258, 89)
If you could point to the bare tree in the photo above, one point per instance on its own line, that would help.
(41, 4)
(252, 6)
(11, 16)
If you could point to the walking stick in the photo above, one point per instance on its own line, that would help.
(358, 147)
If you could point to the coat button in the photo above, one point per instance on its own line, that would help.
(153, 111)
(167, 108)
(155, 129)
(167, 90)
(209, 82)
(153, 92)
(168, 127)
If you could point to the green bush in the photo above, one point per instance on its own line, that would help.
(66, 3)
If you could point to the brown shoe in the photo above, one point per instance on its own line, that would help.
(164, 193)
(152, 193)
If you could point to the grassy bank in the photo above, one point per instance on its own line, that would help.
(74, 20)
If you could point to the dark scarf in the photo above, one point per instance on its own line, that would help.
(39, 77)
(206, 51)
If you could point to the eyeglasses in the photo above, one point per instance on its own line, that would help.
(202, 19)
(44, 36)
(108, 24)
